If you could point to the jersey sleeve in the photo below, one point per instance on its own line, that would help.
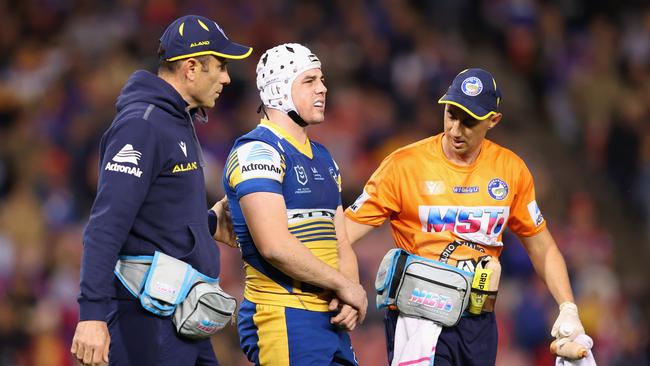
(379, 198)
(255, 166)
(525, 216)
(129, 160)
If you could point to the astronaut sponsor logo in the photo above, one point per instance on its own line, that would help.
(360, 201)
(460, 189)
(184, 167)
(301, 175)
(126, 155)
(535, 213)
(480, 224)
(259, 160)
(498, 189)
(430, 300)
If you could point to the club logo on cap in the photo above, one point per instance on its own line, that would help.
(472, 86)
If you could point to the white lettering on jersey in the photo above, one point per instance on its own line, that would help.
(478, 224)
(360, 201)
(535, 213)
(127, 155)
(259, 160)
(115, 167)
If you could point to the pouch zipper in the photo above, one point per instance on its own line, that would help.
(460, 289)
(214, 309)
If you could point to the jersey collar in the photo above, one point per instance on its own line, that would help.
(305, 148)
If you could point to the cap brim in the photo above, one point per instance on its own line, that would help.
(465, 104)
(233, 51)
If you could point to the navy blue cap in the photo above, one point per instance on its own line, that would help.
(194, 35)
(475, 91)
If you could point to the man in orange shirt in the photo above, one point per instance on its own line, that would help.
(449, 198)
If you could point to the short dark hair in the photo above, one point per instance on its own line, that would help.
(172, 66)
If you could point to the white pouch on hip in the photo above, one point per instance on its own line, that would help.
(422, 288)
(166, 286)
(205, 311)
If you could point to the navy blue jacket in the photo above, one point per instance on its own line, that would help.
(151, 191)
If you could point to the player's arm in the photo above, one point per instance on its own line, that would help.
(266, 216)
(347, 316)
(550, 266)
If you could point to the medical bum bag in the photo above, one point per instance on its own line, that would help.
(167, 286)
(422, 288)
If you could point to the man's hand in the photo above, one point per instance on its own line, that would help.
(347, 317)
(354, 295)
(91, 342)
(225, 232)
(568, 323)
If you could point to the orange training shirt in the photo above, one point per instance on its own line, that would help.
(455, 214)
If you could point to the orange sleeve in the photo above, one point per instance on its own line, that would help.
(379, 198)
(525, 216)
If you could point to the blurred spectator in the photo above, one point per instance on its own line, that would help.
(576, 74)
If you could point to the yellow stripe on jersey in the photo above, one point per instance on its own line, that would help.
(232, 170)
(272, 335)
(260, 289)
(304, 148)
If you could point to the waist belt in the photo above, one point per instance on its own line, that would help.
(166, 286)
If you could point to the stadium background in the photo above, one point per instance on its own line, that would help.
(576, 82)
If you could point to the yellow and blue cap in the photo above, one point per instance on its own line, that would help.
(476, 92)
(194, 35)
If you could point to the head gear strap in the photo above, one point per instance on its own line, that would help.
(276, 71)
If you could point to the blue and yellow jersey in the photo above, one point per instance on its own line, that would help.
(267, 159)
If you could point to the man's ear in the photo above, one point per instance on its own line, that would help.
(494, 120)
(190, 68)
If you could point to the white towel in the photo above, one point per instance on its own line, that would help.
(415, 341)
(588, 360)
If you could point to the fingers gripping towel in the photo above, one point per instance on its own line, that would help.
(415, 341)
(588, 360)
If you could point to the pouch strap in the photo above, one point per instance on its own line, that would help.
(399, 269)
(132, 271)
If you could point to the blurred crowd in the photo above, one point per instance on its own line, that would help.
(575, 77)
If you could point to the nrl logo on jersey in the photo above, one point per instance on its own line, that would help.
(301, 175)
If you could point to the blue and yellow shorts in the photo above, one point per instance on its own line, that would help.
(281, 336)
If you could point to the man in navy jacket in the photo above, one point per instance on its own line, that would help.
(151, 197)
